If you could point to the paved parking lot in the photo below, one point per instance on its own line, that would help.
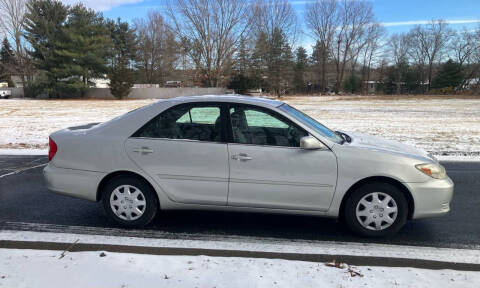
(25, 204)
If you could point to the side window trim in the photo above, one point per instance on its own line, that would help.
(190, 114)
(220, 105)
(228, 122)
(230, 139)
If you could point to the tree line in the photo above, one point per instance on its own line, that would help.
(60, 50)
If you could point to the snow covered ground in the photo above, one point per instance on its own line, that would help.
(47, 268)
(35, 268)
(26, 124)
(447, 126)
(470, 255)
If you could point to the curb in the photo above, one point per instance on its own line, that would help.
(170, 251)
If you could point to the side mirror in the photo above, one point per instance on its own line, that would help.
(311, 143)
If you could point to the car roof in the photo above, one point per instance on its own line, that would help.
(228, 98)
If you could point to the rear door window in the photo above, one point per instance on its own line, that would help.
(188, 122)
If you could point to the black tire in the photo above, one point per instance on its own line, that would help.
(353, 200)
(151, 199)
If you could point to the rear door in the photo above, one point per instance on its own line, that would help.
(184, 151)
(268, 169)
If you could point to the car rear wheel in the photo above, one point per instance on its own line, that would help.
(129, 201)
(376, 210)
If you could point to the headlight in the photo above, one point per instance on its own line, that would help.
(433, 170)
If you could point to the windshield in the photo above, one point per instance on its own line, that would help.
(312, 123)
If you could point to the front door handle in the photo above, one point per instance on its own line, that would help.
(143, 150)
(241, 157)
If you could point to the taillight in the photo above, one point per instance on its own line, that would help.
(52, 149)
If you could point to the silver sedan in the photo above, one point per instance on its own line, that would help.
(244, 154)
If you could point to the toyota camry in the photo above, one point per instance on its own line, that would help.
(240, 153)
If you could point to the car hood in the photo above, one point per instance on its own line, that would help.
(376, 143)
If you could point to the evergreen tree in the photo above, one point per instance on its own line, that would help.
(69, 46)
(7, 62)
(245, 74)
(241, 84)
(242, 57)
(352, 84)
(320, 57)
(122, 55)
(412, 80)
(288, 62)
(275, 62)
(272, 62)
(44, 31)
(450, 76)
(121, 79)
(87, 41)
(259, 62)
(390, 81)
(279, 62)
(301, 62)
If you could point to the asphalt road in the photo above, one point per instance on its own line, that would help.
(25, 204)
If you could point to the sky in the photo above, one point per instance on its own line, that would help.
(396, 15)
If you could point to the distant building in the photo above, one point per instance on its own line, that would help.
(146, 86)
(254, 92)
(175, 83)
(371, 86)
(100, 83)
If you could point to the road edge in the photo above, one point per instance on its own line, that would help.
(172, 251)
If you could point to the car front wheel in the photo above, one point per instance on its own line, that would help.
(376, 210)
(129, 201)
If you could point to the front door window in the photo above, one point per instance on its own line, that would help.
(252, 125)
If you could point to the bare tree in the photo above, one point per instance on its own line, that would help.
(213, 29)
(476, 53)
(476, 57)
(157, 48)
(351, 36)
(12, 19)
(463, 46)
(430, 40)
(464, 49)
(369, 51)
(12, 14)
(322, 18)
(417, 57)
(275, 15)
(275, 31)
(398, 50)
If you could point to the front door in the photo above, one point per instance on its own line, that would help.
(183, 150)
(268, 169)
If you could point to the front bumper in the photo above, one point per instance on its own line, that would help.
(71, 182)
(432, 198)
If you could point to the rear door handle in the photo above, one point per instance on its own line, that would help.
(241, 157)
(143, 150)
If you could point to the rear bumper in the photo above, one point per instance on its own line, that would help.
(431, 198)
(71, 182)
